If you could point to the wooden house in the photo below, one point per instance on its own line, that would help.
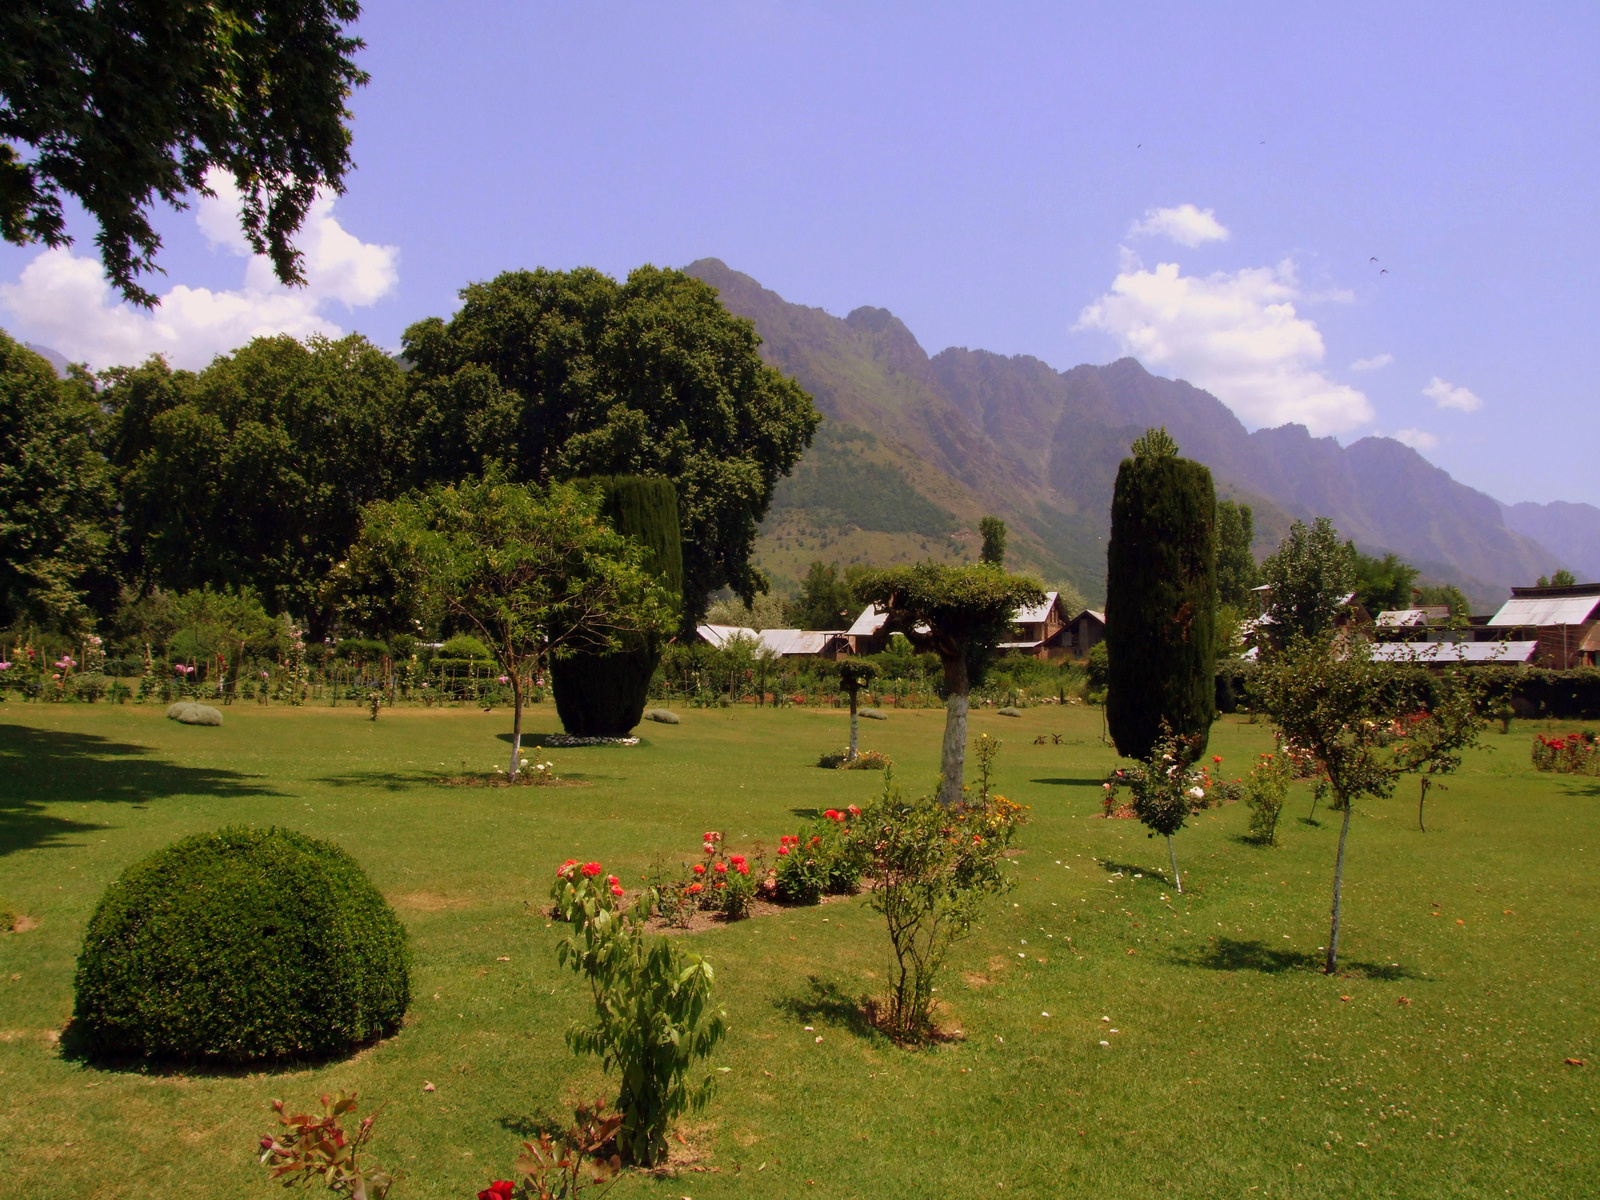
(1036, 630)
(1562, 620)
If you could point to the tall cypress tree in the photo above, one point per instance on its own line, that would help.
(1161, 599)
(603, 695)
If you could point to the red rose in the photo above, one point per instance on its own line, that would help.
(719, 884)
(854, 811)
(709, 848)
(696, 888)
(567, 866)
(500, 1189)
(736, 859)
(742, 868)
(612, 879)
(699, 868)
(616, 889)
(721, 868)
(782, 850)
(832, 814)
(591, 869)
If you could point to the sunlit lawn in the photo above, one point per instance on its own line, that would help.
(1229, 1066)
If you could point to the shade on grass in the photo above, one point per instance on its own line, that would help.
(1233, 1063)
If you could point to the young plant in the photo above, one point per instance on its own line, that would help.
(1166, 788)
(855, 674)
(310, 1147)
(1331, 701)
(933, 867)
(1265, 792)
(1433, 742)
(563, 1166)
(653, 1016)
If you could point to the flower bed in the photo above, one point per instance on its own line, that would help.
(1569, 754)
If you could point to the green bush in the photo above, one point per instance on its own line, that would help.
(464, 645)
(241, 945)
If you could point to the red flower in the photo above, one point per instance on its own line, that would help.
(591, 869)
(853, 811)
(719, 884)
(782, 850)
(567, 866)
(736, 859)
(699, 868)
(816, 841)
(500, 1189)
(832, 814)
(612, 879)
(721, 868)
(616, 889)
(696, 888)
(742, 868)
(1216, 758)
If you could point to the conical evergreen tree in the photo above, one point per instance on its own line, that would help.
(603, 695)
(1161, 598)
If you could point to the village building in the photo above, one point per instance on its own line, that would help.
(786, 643)
(1561, 620)
(1036, 631)
(1083, 632)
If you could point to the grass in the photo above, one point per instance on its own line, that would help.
(1236, 1068)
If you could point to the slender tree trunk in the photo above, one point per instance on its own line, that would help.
(1176, 878)
(1421, 800)
(1332, 963)
(516, 723)
(953, 755)
(855, 725)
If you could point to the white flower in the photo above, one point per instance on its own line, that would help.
(1197, 793)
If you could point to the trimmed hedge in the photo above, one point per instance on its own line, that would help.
(603, 695)
(239, 946)
(1540, 692)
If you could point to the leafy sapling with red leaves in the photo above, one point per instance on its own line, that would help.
(319, 1146)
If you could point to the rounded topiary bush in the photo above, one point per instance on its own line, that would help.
(241, 945)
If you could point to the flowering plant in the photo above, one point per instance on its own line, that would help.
(1567, 754)
(1166, 788)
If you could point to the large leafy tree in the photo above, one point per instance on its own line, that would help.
(530, 571)
(1310, 574)
(254, 472)
(1161, 599)
(116, 104)
(825, 601)
(553, 375)
(56, 493)
(1382, 583)
(960, 614)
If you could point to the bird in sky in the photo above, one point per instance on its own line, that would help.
(1385, 271)
(1374, 258)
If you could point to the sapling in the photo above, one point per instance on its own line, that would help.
(1435, 741)
(855, 674)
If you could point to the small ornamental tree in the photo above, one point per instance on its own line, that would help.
(530, 571)
(1435, 740)
(855, 674)
(1166, 788)
(960, 614)
(1329, 699)
(1161, 599)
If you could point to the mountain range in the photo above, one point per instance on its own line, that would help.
(915, 449)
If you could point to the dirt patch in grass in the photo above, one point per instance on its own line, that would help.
(501, 781)
(428, 902)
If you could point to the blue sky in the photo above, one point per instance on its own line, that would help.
(1203, 186)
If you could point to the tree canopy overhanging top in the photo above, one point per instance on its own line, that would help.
(116, 104)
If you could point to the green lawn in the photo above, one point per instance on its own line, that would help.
(1234, 1067)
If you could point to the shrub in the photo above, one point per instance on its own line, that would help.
(652, 1007)
(1569, 754)
(932, 867)
(464, 645)
(318, 1149)
(1265, 792)
(865, 760)
(802, 876)
(241, 945)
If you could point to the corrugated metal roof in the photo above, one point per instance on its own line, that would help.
(1019, 645)
(1446, 652)
(1038, 613)
(720, 635)
(869, 622)
(1401, 618)
(1546, 610)
(797, 641)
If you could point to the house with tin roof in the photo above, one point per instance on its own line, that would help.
(1561, 620)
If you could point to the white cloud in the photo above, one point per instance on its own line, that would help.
(1376, 363)
(1417, 439)
(63, 300)
(1186, 225)
(1448, 395)
(1237, 335)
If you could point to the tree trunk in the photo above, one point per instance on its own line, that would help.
(855, 725)
(516, 722)
(1176, 878)
(1332, 963)
(1421, 800)
(953, 755)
